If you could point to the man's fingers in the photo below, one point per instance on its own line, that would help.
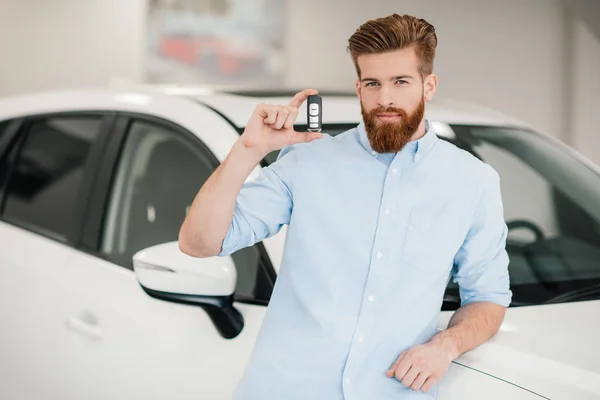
(428, 384)
(282, 116)
(419, 381)
(301, 97)
(390, 372)
(269, 112)
(305, 137)
(293, 115)
(410, 376)
(278, 116)
(402, 367)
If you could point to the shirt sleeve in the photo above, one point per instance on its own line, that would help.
(263, 205)
(482, 261)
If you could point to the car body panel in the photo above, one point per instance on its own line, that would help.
(550, 349)
(155, 349)
(31, 267)
(95, 334)
(460, 383)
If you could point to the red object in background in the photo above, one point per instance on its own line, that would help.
(204, 52)
(209, 53)
(181, 49)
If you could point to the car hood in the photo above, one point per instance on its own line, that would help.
(552, 350)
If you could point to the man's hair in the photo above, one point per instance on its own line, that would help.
(395, 32)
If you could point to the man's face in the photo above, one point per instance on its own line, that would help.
(392, 98)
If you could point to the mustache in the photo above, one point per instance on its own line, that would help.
(389, 109)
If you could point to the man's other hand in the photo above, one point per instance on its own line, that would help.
(422, 366)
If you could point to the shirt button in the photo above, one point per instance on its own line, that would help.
(395, 170)
(347, 381)
(371, 298)
(361, 338)
(379, 255)
(387, 212)
(374, 153)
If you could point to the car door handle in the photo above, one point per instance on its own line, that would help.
(85, 325)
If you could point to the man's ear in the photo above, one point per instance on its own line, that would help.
(358, 88)
(430, 86)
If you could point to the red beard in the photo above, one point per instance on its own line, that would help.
(391, 137)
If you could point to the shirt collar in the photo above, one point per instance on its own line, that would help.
(418, 148)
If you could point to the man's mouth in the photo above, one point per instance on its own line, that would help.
(387, 117)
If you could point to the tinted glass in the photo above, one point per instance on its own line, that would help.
(3, 126)
(46, 179)
(159, 174)
(4, 151)
(552, 208)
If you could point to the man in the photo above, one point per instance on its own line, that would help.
(379, 219)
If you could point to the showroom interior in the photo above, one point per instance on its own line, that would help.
(104, 296)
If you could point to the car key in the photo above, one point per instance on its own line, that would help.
(314, 111)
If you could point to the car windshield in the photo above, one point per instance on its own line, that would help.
(551, 207)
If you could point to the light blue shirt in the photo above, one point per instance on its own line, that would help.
(373, 240)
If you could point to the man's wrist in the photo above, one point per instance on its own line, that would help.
(248, 155)
(449, 345)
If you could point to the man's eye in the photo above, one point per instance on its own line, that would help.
(371, 83)
(401, 81)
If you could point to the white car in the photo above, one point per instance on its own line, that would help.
(97, 301)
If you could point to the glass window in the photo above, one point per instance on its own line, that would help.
(4, 150)
(46, 179)
(552, 208)
(159, 173)
(3, 126)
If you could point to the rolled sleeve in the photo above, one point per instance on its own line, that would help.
(482, 261)
(263, 205)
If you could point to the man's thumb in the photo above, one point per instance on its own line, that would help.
(305, 137)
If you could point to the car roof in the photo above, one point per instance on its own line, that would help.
(236, 106)
(344, 108)
(86, 99)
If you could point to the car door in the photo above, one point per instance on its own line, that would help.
(130, 345)
(43, 177)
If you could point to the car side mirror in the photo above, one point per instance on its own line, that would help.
(166, 273)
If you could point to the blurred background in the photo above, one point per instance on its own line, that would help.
(536, 60)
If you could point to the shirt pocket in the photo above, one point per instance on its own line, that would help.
(431, 239)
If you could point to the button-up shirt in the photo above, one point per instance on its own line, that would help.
(372, 242)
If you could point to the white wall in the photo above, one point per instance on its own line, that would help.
(69, 43)
(506, 55)
(586, 93)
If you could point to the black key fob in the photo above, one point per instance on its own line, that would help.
(314, 111)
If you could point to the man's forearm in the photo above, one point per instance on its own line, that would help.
(469, 327)
(212, 211)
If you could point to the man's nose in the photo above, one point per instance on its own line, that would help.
(385, 98)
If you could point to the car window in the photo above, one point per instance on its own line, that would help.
(46, 179)
(552, 209)
(159, 173)
(3, 126)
